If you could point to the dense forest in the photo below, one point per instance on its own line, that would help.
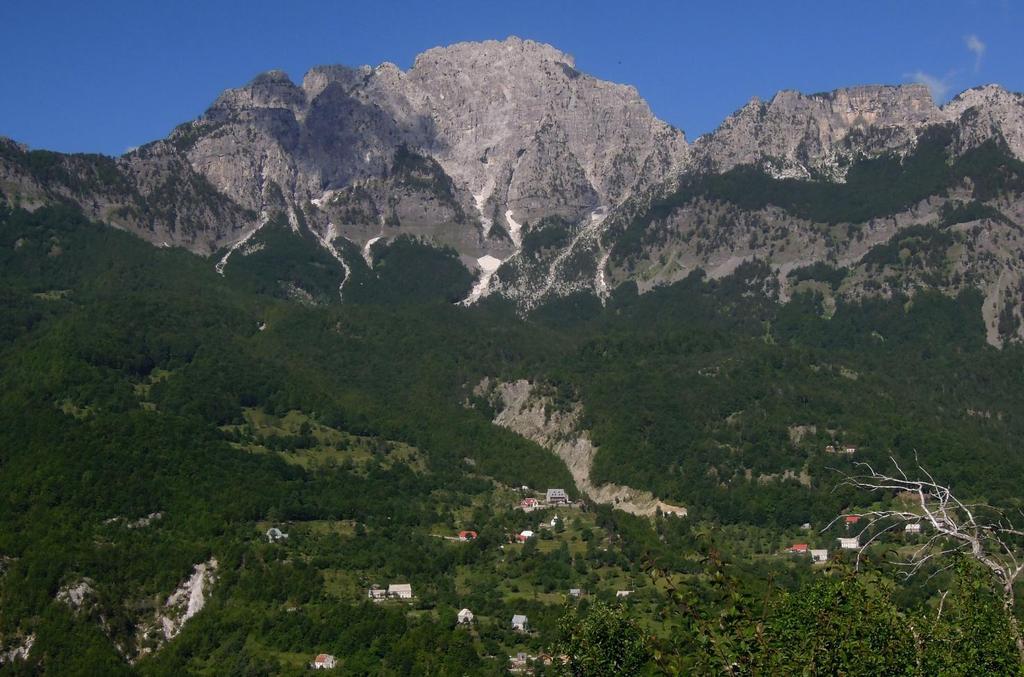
(155, 415)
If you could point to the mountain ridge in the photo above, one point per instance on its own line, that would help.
(478, 145)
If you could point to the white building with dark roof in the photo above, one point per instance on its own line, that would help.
(556, 497)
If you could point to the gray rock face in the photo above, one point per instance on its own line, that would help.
(527, 167)
(819, 135)
(519, 132)
(984, 112)
(153, 192)
(505, 136)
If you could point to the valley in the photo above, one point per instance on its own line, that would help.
(478, 367)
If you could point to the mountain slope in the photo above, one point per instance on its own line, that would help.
(547, 182)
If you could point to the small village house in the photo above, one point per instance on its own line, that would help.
(324, 661)
(524, 535)
(377, 593)
(623, 593)
(849, 543)
(465, 617)
(528, 503)
(913, 528)
(556, 497)
(520, 623)
(849, 450)
(851, 519)
(274, 535)
(830, 449)
(400, 591)
(467, 535)
(798, 549)
(519, 662)
(819, 555)
(575, 592)
(554, 521)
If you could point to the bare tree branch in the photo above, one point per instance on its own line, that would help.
(981, 531)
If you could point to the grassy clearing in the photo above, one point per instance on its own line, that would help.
(300, 440)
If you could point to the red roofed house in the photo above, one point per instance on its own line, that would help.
(528, 503)
(799, 548)
(467, 535)
(852, 519)
(324, 661)
(524, 535)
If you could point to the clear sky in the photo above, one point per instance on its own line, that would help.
(109, 74)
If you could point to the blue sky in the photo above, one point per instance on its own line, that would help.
(102, 76)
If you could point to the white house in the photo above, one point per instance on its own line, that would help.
(913, 528)
(377, 593)
(554, 521)
(324, 661)
(400, 590)
(556, 497)
(465, 617)
(274, 535)
(819, 555)
(575, 592)
(849, 543)
(623, 593)
(520, 623)
(524, 536)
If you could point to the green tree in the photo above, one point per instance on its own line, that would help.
(602, 642)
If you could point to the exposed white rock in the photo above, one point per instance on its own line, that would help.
(137, 523)
(75, 595)
(219, 267)
(327, 240)
(524, 409)
(601, 282)
(368, 250)
(515, 229)
(480, 201)
(488, 265)
(19, 652)
(186, 601)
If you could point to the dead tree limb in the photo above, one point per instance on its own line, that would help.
(977, 530)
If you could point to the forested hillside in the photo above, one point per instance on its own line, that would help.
(156, 416)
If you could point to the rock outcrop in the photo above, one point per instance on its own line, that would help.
(506, 133)
(185, 602)
(526, 410)
(818, 136)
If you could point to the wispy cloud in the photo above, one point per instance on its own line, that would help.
(939, 86)
(976, 47)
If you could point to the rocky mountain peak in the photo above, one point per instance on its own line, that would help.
(479, 145)
(319, 77)
(516, 131)
(812, 135)
(510, 49)
(272, 89)
(984, 112)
